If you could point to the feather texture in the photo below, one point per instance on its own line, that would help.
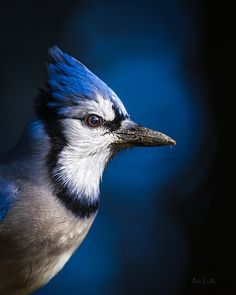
(70, 83)
(8, 193)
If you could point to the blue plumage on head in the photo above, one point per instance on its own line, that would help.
(70, 82)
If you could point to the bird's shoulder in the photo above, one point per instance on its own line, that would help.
(8, 193)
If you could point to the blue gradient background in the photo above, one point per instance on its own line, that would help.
(150, 54)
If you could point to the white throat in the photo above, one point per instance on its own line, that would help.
(81, 176)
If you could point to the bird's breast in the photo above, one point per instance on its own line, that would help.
(38, 236)
(65, 243)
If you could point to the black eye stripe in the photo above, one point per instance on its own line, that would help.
(116, 123)
(112, 125)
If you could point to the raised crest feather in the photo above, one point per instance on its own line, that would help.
(70, 82)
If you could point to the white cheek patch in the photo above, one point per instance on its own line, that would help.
(82, 161)
(86, 140)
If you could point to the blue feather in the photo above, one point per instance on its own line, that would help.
(7, 196)
(70, 82)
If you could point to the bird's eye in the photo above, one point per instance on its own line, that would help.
(93, 121)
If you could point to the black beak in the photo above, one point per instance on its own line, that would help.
(136, 135)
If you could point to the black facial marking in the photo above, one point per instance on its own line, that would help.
(81, 206)
(116, 123)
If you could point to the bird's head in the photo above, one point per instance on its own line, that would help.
(87, 124)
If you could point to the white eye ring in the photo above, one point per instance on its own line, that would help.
(93, 121)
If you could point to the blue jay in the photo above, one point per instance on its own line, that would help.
(49, 182)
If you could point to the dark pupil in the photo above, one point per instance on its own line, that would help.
(94, 120)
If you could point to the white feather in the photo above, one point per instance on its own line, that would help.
(82, 161)
(102, 107)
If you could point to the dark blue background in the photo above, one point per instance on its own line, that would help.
(165, 214)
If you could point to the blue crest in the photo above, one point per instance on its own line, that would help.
(69, 82)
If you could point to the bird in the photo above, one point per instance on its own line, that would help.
(49, 181)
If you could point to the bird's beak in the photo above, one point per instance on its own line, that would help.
(132, 134)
